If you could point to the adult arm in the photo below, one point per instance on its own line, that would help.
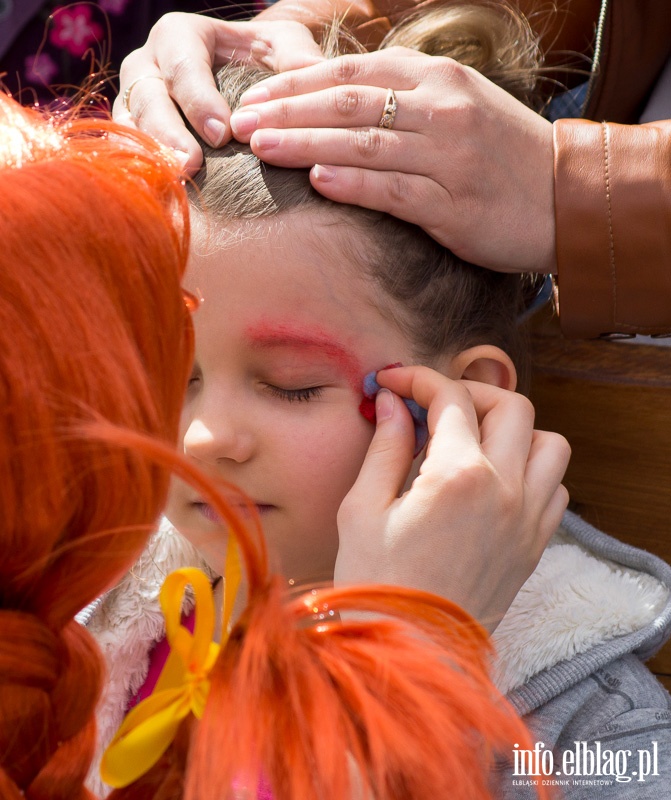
(609, 237)
(475, 521)
(611, 251)
(465, 157)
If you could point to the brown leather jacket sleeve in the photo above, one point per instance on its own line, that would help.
(613, 214)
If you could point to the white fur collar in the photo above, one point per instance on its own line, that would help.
(126, 624)
(573, 602)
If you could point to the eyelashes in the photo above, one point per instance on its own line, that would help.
(295, 395)
(290, 395)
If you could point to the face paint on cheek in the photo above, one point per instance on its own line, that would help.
(419, 415)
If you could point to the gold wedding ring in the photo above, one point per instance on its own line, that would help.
(389, 111)
(131, 86)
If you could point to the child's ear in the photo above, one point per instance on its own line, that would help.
(487, 364)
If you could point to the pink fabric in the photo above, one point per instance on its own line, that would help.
(157, 659)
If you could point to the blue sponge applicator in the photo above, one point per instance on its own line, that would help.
(419, 415)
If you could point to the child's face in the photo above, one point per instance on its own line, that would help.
(284, 336)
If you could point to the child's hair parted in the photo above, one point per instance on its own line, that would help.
(94, 341)
(442, 303)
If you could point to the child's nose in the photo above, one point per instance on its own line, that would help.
(215, 442)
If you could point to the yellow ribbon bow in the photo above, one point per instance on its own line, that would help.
(183, 686)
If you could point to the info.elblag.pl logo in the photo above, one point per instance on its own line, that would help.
(586, 761)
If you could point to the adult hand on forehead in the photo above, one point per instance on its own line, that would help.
(182, 50)
(464, 160)
(475, 521)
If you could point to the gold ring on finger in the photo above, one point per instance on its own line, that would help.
(389, 111)
(131, 86)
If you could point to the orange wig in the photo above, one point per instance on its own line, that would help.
(93, 332)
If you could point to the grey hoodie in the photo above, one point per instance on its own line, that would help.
(569, 656)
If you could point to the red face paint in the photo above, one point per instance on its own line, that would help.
(367, 409)
(367, 405)
(269, 335)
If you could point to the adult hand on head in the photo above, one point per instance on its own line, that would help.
(464, 160)
(182, 50)
(475, 521)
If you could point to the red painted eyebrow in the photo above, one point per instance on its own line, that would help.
(267, 336)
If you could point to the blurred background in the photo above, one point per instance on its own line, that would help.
(47, 49)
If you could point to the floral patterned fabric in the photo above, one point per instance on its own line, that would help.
(47, 48)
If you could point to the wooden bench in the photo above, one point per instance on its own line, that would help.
(612, 401)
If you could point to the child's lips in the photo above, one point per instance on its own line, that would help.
(212, 516)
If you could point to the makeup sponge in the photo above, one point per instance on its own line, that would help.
(419, 415)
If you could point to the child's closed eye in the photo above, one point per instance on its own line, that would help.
(292, 395)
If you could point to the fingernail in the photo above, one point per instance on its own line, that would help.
(257, 94)
(266, 140)
(214, 130)
(323, 174)
(384, 404)
(181, 155)
(243, 122)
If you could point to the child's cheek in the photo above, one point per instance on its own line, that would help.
(343, 443)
